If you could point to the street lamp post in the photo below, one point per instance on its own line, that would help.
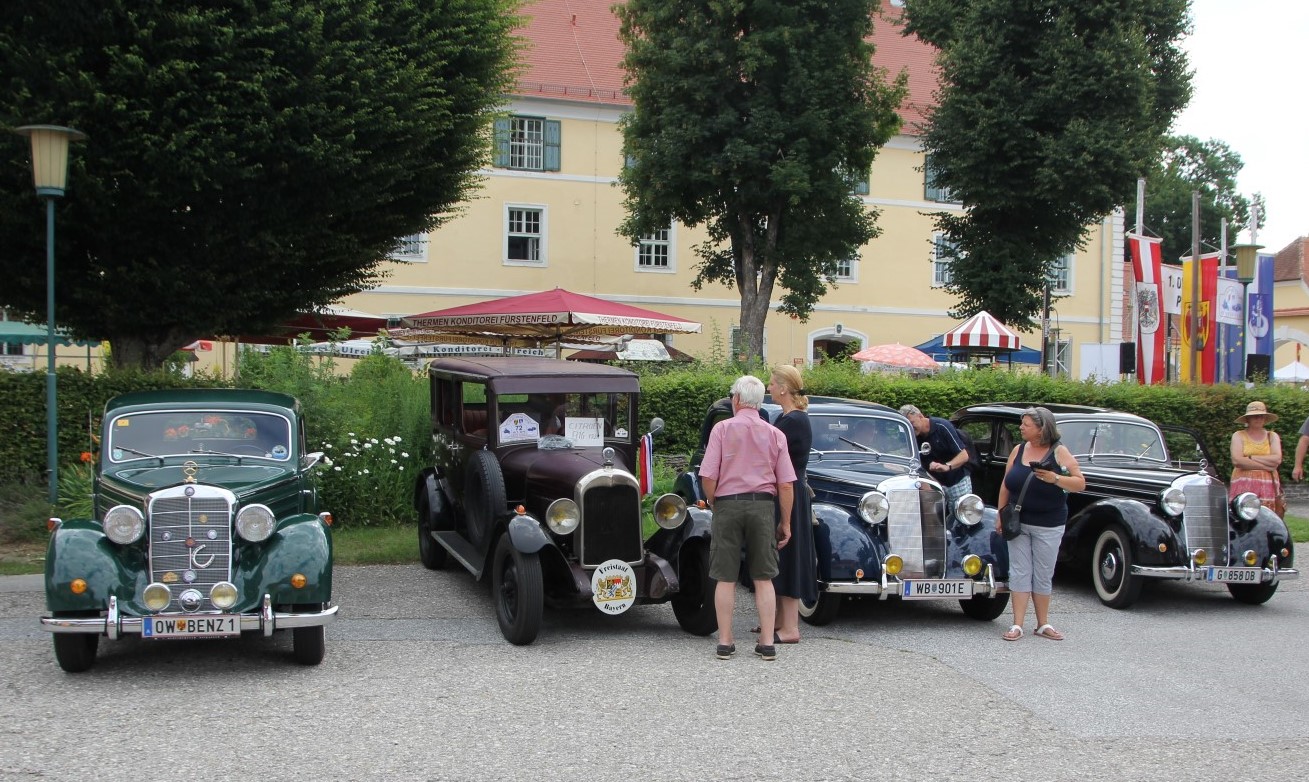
(50, 175)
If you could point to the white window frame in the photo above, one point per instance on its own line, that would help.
(851, 272)
(406, 246)
(652, 243)
(542, 237)
(1061, 276)
(940, 266)
(527, 143)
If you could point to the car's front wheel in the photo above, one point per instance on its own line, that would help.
(432, 554)
(1111, 569)
(984, 608)
(1252, 594)
(693, 605)
(75, 652)
(519, 595)
(822, 611)
(309, 644)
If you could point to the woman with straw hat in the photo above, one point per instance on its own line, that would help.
(1256, 456)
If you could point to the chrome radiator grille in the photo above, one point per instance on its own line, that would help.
(190, 541)
(1204, 522)
(611, 525)
(915, 530)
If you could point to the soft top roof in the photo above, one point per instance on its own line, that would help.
(526, 374)
(242, 398)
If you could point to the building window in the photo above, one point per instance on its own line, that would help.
(11, 348)
(527, 143)
(931, 191)
(525, 235)
(847, 270)
(654, 252)
(1061, 353)
(1061, 272)
(941, 276)
(858, 182)
(411, 248)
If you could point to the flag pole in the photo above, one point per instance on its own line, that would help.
(1194, 317)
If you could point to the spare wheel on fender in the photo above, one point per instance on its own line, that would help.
(484, 496)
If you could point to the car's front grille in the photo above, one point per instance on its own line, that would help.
(915, 530)
(190, 541)
(1204, 522)
(611, 524)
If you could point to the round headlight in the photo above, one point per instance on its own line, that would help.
(255, 523)
(1173, 501)
(670, 511)
(874, 507)
(972, 565)
(969, 509)
(223, 595)
(892, 565)
(156, 596)
(124, 524)
(563, 516)
(1247, 505)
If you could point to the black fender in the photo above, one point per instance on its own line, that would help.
(980, 539)
(1145, 530)
(668, 543)
(527, 535)
(425, 486)
(1267, 534)
(845, 543)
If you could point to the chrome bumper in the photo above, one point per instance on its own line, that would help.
(114, 625)
(986, 586)
(1188, 573)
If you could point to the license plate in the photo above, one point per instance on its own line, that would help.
(930, 590)
(1233, 575)
(202, 626)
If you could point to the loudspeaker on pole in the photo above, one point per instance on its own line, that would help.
(1258, 366)
(1126, 358)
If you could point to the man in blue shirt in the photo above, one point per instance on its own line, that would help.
(942, 452)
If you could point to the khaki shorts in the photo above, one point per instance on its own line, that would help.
(748, 523)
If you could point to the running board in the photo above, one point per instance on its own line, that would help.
(462, 550)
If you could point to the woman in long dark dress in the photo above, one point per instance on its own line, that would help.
(797, 578)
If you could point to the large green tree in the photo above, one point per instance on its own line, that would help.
(245, 158)
(1189, 165)
(755, 119)
(1048, 112)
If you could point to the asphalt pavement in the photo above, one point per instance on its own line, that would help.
(418, 684)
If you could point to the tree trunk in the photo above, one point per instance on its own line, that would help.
(136, 352)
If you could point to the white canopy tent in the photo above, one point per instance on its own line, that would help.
(1294, 372)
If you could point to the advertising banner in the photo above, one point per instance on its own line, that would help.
(1200, 348)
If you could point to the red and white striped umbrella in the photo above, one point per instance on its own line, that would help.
(898, 356)
(982, 331)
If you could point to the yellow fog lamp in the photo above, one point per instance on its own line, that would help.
(78, 586)
(223, 595)
(972, 565)
(1250, 557)
(1199, 556)
(298, 581)
(156, 597)
(892, 565)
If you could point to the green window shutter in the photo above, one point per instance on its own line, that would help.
(552, 137)
(501, 158)
(930, 191)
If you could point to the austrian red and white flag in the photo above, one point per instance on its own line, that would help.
(1147, 258)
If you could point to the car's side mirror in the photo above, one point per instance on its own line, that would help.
(311, 460)
(656, 425)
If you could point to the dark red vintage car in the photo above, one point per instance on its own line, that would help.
(535, 482)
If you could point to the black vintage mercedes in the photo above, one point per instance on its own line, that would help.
(1154, 507)
(881, 526)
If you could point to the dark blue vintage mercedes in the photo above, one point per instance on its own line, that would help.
(881, 525)
(1154, 507)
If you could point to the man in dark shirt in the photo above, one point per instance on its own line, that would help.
(942, 452)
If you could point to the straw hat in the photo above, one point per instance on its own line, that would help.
(1257, 408)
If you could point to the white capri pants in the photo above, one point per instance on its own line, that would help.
(1032, 557)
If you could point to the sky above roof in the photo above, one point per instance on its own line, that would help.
(1250, 65)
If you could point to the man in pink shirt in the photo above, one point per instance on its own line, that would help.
(745, 468)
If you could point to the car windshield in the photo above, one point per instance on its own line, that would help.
(583, 418)
(862, 434)
(1113, 439)
(174, 433)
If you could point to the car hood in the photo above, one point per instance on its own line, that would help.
(864, 471)
(238, 478)
(1123, 478)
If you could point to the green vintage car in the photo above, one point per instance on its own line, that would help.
(205, 525)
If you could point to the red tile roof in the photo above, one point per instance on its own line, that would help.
(573, 53)
(1288, 264)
